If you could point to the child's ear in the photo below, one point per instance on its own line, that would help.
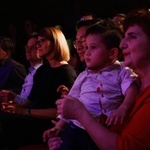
(114, 53)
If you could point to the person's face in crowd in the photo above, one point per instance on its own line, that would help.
(29, 26)
(97, 56)
(31, 50)
(80, 42)
(119, 21)
(44, 47)
(136, 47)
(12, 29)
(3, 54)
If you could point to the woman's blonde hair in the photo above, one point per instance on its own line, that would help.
(60, 45)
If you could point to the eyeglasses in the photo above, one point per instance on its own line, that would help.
(30, 48)
(79, 42)
(40, 42)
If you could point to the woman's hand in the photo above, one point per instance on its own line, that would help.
(69, 107)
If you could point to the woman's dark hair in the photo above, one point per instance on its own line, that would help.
(140, 17)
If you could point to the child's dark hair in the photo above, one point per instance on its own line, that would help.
(110, 33)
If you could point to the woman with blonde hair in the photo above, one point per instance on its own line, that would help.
(28, 121)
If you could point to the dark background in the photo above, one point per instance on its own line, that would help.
(63, 12)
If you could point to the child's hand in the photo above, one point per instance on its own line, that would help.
(117, 116)
(54, 143)
(53, 132)
(63, 90)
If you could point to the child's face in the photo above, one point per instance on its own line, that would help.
(97, 57)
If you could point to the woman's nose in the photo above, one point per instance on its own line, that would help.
(123, 45)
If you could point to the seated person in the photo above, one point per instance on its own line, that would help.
(12, 73)
(118, 19)
(106, 87)
(25, 123)
(82, 25)
(134, 132)
(35, 62)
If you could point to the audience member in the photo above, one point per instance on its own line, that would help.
(14, 33)
(75, 61)
(88, 17)
(35, 62)
(12, 73)
(79, 43)
(134, 133)
(30, 27)
(118, 19)
(106, 87)
(29, 120)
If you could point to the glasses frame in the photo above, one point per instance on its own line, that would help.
(79, 42)
(30, 48)
(40, 42)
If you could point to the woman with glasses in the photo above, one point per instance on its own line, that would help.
(33, 117)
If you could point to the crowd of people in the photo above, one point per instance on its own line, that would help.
(97, 98)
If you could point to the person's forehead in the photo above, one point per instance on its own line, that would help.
(136, 29)
(87, 17)
(118, 18)
(32, 41)
(81, 32)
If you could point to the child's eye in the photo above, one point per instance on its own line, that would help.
(92, 47)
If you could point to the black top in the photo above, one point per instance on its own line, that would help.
(46, 81)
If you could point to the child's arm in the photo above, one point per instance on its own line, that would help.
(61, 124)
(119, 114)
